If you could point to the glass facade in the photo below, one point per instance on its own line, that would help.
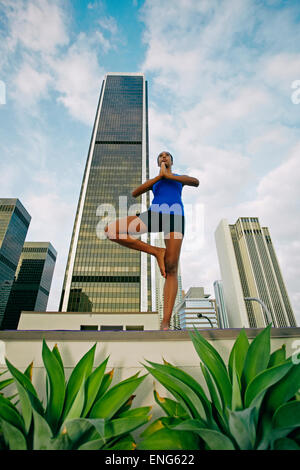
(101, 275)
(31, 287)
(14, 223)
(260, 273)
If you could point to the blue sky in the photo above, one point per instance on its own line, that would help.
(220, 77)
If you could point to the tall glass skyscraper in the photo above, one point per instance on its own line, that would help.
(102, 276)
(14, 223)
(31, 288)
(253, 282)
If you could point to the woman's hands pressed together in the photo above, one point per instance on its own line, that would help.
(163, 170)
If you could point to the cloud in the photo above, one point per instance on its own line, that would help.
(109, 23)
(53, 63)
(38, 25)
(30, 85)
(77, 79)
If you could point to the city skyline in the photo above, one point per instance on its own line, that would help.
(222, 99)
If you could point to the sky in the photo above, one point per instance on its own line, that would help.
(224, 98)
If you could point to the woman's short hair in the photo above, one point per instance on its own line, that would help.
(164, 152)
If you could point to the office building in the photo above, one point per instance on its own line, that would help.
(31, 287)
(14, 223)
(101, 275)
(254, 290)
(159, 288)
(221, 307)
(196, 310)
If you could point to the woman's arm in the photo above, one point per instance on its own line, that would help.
(188, 180)
(145, 186)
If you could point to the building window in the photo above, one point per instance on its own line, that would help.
(88, 327)
(111, 327)
(135, 327)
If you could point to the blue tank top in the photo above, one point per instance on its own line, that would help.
(167, 196)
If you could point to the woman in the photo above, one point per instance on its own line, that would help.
(166, 214)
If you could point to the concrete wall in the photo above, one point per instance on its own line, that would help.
(74, 320)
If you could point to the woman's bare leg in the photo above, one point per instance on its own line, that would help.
(173, 247)
(117, 231)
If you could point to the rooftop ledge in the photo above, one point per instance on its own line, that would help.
(148, 335)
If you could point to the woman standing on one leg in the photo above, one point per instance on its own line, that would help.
(166, 214)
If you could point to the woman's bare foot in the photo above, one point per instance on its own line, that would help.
(164, 326)
(160, 256)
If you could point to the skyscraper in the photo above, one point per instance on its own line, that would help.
(31, 287)
(14, 223)
(251, 275)
(102, 276)
(221, 307)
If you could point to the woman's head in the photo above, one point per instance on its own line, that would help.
(165, 157)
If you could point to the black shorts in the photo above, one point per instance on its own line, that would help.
(160, 222)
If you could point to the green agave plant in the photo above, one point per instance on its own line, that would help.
(253, 403)
(85, 412)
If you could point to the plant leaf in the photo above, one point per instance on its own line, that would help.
(93, 385)
(77, 405)
(211, 388)
(117, 427)
(124, 443)
(170, 407)
(156, 425)
(5, 383)
(114, 398)
(79, 374)
(141, 411)
(187, 379)
(9, 413)
(175, 372)
(95, 444)
(263, 381)
(242, 427)
(287, 415)
(79, 431)
(239, 351)
(187, 397)
(278, 356)
(215, 365)
(13, 437)
(169, 439)
(42, 435)
(106, 381)
(56, 386)
(214, 439)
(237, 403)
(28, 371)
(283, 390)
(57, 355)
(257, 357)
(21, 378)
(285, 444)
